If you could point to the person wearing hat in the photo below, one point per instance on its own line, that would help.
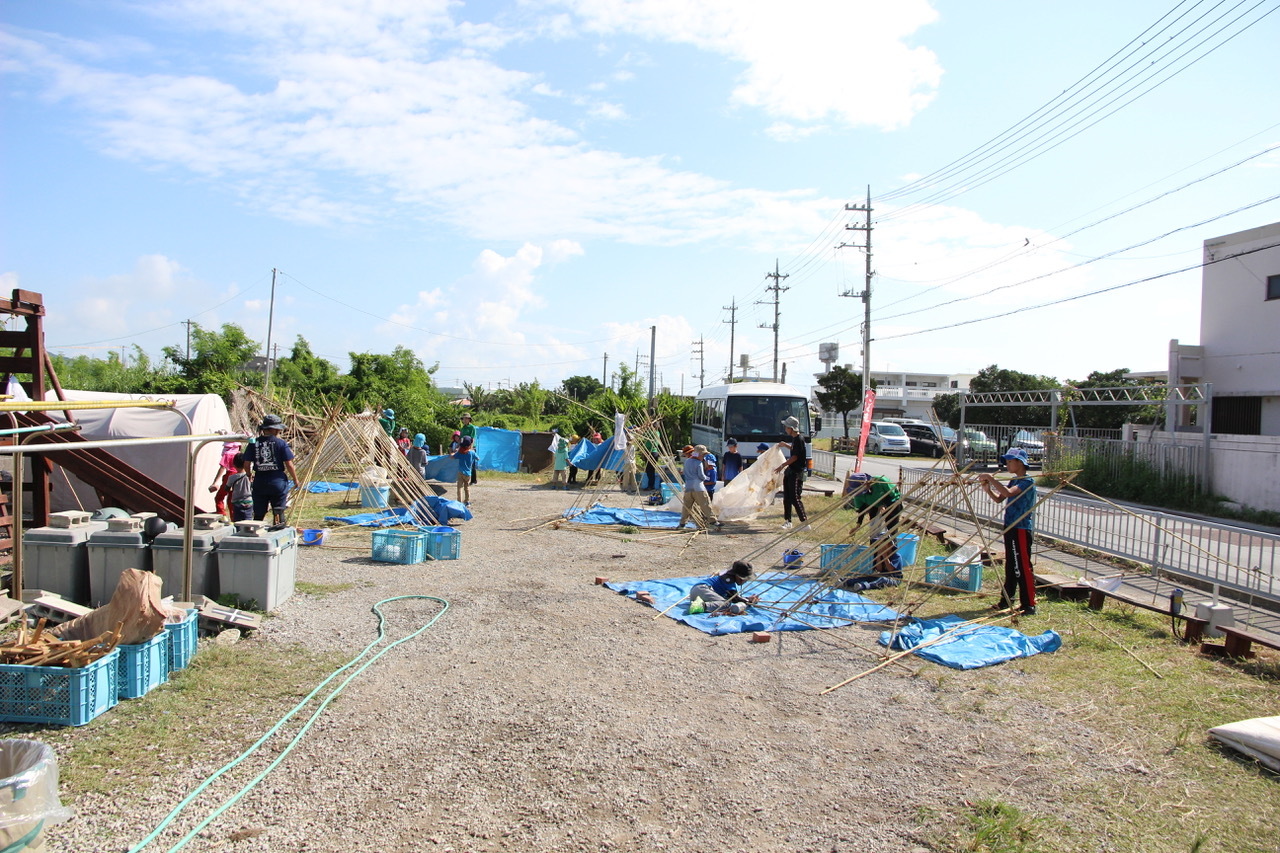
(878, 499)
(272, 461)
(387, 420)
(793, 479)
(417, 453)
(722, 594)
(466, 468)
(886, 569)
(695, 504)
(403, 441)
(469, 431)
(560, 456)
(1019, 498)
(731, 461)
(573, 469)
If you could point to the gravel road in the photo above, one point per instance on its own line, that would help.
(544, 713)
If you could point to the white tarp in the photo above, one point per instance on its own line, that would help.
(747, 494)
(166, 464)
(1257, 738)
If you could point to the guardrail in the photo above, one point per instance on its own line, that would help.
(824, 463)
(1221, 557)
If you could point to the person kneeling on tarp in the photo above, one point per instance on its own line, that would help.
(886, 567)
(721, 594)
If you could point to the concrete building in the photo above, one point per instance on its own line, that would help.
(910, 395)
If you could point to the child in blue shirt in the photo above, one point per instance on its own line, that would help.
(721, 593)
(731, 461)
(466, 465)
(1019, 498)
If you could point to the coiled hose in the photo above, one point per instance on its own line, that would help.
(252, 783)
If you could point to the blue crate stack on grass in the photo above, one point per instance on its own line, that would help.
(183, 639)
(967, 577)
(405, 547)
(143, 666)
(444, 543)
(58, 695)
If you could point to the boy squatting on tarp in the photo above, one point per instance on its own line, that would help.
(719, 594)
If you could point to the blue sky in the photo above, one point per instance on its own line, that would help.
(514, 189)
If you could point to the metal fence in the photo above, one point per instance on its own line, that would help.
(1113, 459)
(824, 463)
(1222, 558)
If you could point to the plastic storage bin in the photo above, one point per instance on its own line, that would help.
(258, 565)
(166, 557)
(28, 794)
(58, 695)
(183, 638)
(405, 547)
(121, 546)
(847, 560)
(955, 575)
(143, 667)
(444, 543)
(56, 558)
(375, 497)
(668, 491)
(908, 548)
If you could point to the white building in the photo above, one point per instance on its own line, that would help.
(910, 395)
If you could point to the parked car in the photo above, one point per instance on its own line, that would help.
(1029, 442)
(888, 439)
(978, 447)
(924, 441)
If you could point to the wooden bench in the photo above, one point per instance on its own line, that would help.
(1238, 643)
(1098, 597)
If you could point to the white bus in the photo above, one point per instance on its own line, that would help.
(751, 412)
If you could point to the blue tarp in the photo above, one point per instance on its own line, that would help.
(442, 468)
(324, 488)
(638, 517)
(586, 456)
(442, 509)
(381, 518)
(775, 587)
(972, 647)
(498, 449)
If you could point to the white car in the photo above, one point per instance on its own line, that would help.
(886, 438)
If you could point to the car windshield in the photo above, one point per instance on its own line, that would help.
(975, 435)
(1024, 435)
(948, 434)
(891, 429)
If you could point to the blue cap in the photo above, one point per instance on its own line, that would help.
(1016, 453)
(419, 440)
(761, 447)
(388, 413)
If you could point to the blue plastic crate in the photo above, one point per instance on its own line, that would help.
(444, 543)
(967, 577)
(846, 560)
(143, 666)
(183, 638)
(405, 547)
(57, 695)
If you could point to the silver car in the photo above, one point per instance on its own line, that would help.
(885, 438)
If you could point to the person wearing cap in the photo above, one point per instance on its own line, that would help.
(466, 467)
(1019, 498)
(469, 431)
(793, 479)
(877, 498)
(560, 456)
(387, 420)
(272, 461)
(731, 461)
(417, 453)
(695, 504)
(722, 594)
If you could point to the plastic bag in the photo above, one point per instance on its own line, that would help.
(28, 792)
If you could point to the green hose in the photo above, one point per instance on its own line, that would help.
(252, 783)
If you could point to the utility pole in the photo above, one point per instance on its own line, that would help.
(604, 372)
(700, 354)
(733, 322)
(271, 314)
(653, 345)
(865, 293)
(777, 289)
(188, 324)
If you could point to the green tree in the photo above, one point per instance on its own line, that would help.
(947, 408)
(1110, 417)
(841, 393)
(581, 388)
(307, 375)
(218, 360)
(529, 399)
(995, 378)
(111, 374)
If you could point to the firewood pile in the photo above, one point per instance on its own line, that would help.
(35, 647)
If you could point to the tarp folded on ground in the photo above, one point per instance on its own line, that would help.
(381, 518)
(970, 647)
(317, 488)
(498, 449)
(1257, 738)
(586, 456)
(778, 589)
(636, 517)
(440, 509)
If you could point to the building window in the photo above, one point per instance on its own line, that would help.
(1273, 287)
(955, 383)
(1237, 415)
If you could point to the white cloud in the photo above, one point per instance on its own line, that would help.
(806, 61)
(117, 305)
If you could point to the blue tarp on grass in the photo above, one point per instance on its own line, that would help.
(317, 488)
(972, 647)
(779, 589)
(436, 510)
(637, 517)
(381, 518)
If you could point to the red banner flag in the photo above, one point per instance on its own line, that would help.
(868, 408)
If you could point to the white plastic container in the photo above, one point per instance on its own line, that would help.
(56, 558)
(258, 565)
(166, 557)
(1217, 615)
(121, 546)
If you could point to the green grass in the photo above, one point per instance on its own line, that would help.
(321, 589)
(200, 714)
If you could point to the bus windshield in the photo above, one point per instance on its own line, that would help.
(760, 417)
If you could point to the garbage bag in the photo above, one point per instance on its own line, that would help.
(28, 792)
